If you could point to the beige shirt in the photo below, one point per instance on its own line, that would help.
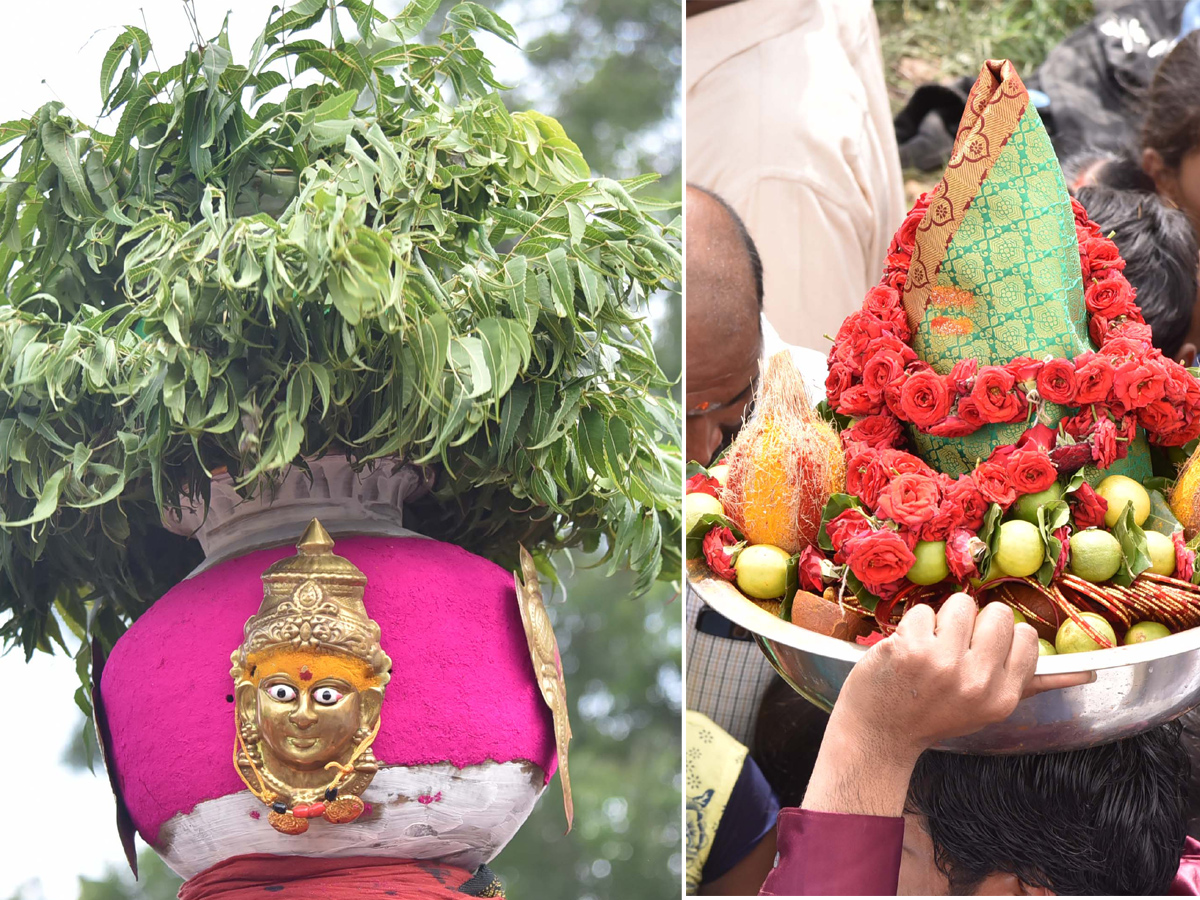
(788, 120)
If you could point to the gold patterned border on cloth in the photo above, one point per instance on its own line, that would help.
(986, 126)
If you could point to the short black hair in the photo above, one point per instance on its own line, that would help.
(1159, 247)
(747, 241)
(1105, 820)
(1172, 123)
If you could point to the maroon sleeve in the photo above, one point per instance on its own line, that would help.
(835, 854)
(1187, 879)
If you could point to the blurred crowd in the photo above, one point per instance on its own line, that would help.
(794, 164)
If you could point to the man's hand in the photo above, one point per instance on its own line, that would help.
(939, 676)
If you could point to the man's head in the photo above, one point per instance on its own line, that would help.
(1106, 820)
(724, 331)
(1159, 247)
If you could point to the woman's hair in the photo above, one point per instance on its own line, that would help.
(1158, 245)
(1172, 123)
(1101, 821)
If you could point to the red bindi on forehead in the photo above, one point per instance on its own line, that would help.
(305, 673)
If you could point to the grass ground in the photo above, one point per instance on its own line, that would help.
(938, 40)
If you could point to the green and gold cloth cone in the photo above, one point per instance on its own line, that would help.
(995, 271)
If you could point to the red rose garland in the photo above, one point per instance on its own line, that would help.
(876, 379)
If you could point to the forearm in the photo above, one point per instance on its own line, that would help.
(858, 774)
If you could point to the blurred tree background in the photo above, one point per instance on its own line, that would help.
(609, 70)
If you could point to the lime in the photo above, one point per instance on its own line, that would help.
(721, 473)
(1073, 639)
(1095, 555)
(1120, 491)
(762, 571)
(1026, 507)
(1140, 632)
(1021, 550)
(930, 567)
(1162, 553)
(697, 505)
(1018, 616)
(1045, 648)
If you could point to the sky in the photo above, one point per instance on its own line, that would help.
(67, 824)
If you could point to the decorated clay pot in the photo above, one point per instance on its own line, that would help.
(463, 741)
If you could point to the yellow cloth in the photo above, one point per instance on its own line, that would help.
(714, 762)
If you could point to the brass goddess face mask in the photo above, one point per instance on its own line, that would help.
(309, 680)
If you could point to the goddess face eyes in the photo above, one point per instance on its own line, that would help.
(327, 696)
(284, 693)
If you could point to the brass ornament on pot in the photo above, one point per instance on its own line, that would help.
(309, 679)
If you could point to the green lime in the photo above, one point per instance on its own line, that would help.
(762, 571)
(1026, 507)
(1095, 555)
(1045, 648)
(720, 472)
(1021, 550)
(697, 505)
(1140, 632)
(1073, 639)
(1018, 616)
(1162, 553)
(1120, 491)
(930, 567)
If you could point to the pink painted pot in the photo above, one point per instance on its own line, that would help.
(466, 744)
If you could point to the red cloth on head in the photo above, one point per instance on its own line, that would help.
(260, 875)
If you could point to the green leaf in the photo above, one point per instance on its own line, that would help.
(1161, 519)
(1135, 554)
(834, 507)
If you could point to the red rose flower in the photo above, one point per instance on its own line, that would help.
(882, 430)
(1056, 381)
(1037, 436)
(949, 516)
(1110, 296)
(1024, 369)
(952, 426)
(1160, 417)
(1104, 443)
(895, 272)
(995, 485)
(1139, 384)
(968, 411)
(964, 493)
(703, 484)
(925, 399)
(844, 529)
(906, 234)
(962, 376)
(898, 462)
(960, 556)
(1069, 458)
(1102, 255)
(910, 500)
(1082, 221)
(883, 301)
(1094, 379)
(882, 369)
(1128, 328)
(880, 558)
(866, 476)
(836, 382)
(1087, 507)
(809, 570)
(1185, 558)
(1122, 350)
(994, 396)
(857, 402)
(718, 538)
(1031, 471)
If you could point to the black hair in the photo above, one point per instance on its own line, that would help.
(747, 241)
(1105, 820)
(1172, 123)
(1159, 247)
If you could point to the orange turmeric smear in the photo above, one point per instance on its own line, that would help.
(951, 325)
(945, 297)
